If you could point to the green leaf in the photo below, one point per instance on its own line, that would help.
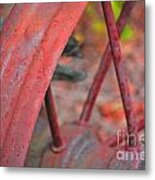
(117, 7)
(127, 33)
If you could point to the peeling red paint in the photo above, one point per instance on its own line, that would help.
(31, 46)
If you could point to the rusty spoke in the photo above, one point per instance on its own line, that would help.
(57, 144)
(103, 67)
(116, 54)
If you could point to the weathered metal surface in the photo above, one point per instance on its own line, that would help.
(32, 39)
(84, 150)
(16, 56)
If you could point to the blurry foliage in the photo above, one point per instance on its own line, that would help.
(127, 33)
(98, 25)
(117, 7)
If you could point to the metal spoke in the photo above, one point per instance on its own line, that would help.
(104, 67)
(57, 144)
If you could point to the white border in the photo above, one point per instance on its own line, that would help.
(19, 1)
